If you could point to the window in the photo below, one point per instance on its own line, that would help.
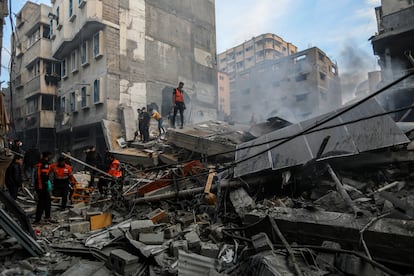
(322, 76)
(47, 102)
(333, 68)
(70, 8)
(240, 65)
(58, 26)
(35, 69)
(239, 53)
(74, 61)
(300, 58)
(81, 3)
(301, 77)
(51, 34)
(84, 95)
(64, 68)
(97, 91)
(63, 104)
(84, 53)
(46, 31)
(32, 105)
(249, 48)
(321, 56)
(33, 38)
(72, 101)
(97, 44)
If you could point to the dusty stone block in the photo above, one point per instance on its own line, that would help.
(80, 227)
(194, 242)
(123, 262)
(179, 245)
(141, 226)
(152, 238)
(209, 249)
(172, 231)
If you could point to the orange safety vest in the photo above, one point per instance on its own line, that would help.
(179, 97)
(115, 168)
(63, 173)
(43, 170)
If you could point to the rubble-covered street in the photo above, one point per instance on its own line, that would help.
(326, 202)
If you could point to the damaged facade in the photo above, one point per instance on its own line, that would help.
(117, 56)
(393, 44)
(35, 75)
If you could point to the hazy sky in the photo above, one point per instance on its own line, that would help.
(341, 28)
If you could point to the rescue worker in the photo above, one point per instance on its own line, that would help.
(178, 103)
(63, 180)
(115, 170)
(157, 116)
(42, 182)
(146, 118)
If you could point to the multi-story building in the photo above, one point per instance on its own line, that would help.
(117, 56)
(223, 95)
(296, 87)
(394, 44)
(34, 78)
(238, 59)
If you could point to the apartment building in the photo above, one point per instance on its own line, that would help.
(223, 95)
(34, 78)
(299, 86)
(394, 45)
(238, 59)
(117, 56)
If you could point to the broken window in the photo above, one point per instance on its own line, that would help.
(33, 105)
(97, 44)
(63, 104)
(70, 8)
(322, 76)
(97, 91)
(47, 102)
(57, 19)
(46, 31)
(321, 56)
(72, 101)
(300, 58)
(240, 64)
(63, 67)
(249, 48)
(35, 69)
(333, 70)
(301, 77)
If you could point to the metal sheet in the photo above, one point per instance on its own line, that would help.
(193, 264)
(366, 135)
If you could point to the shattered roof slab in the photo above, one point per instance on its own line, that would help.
(350, 139)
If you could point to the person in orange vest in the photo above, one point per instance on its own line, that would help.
(178, 103)
(62, 178)
(114, 167)
(42, 183)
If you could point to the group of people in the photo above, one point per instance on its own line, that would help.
(144, 117)
(57, 178)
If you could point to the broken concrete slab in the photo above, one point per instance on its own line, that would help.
(209, 249)
(261, 242)
(194, 242)
(80, 227)
(389, 240)
(123, 262)
(152, 238)
(141, 226)
(241, 201)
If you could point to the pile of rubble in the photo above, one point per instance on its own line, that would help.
(333, 212)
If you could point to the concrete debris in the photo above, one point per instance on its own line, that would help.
(156, 221)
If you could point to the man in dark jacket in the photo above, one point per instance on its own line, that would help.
(93, 159)
(14, 176)
(145, 124)
(31, 158)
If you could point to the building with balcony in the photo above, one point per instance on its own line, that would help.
(117, 56)
(34, 78)
(299, 86)
(394, 45)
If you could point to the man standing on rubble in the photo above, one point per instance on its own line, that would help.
(178, 103)
(145, 124)
(63, 180)
(14, 176)
(42, 187)
(157, 116)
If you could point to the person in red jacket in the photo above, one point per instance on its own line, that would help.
(62, 179)
(41, 182)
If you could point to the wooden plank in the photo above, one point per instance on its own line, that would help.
(100, 221)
